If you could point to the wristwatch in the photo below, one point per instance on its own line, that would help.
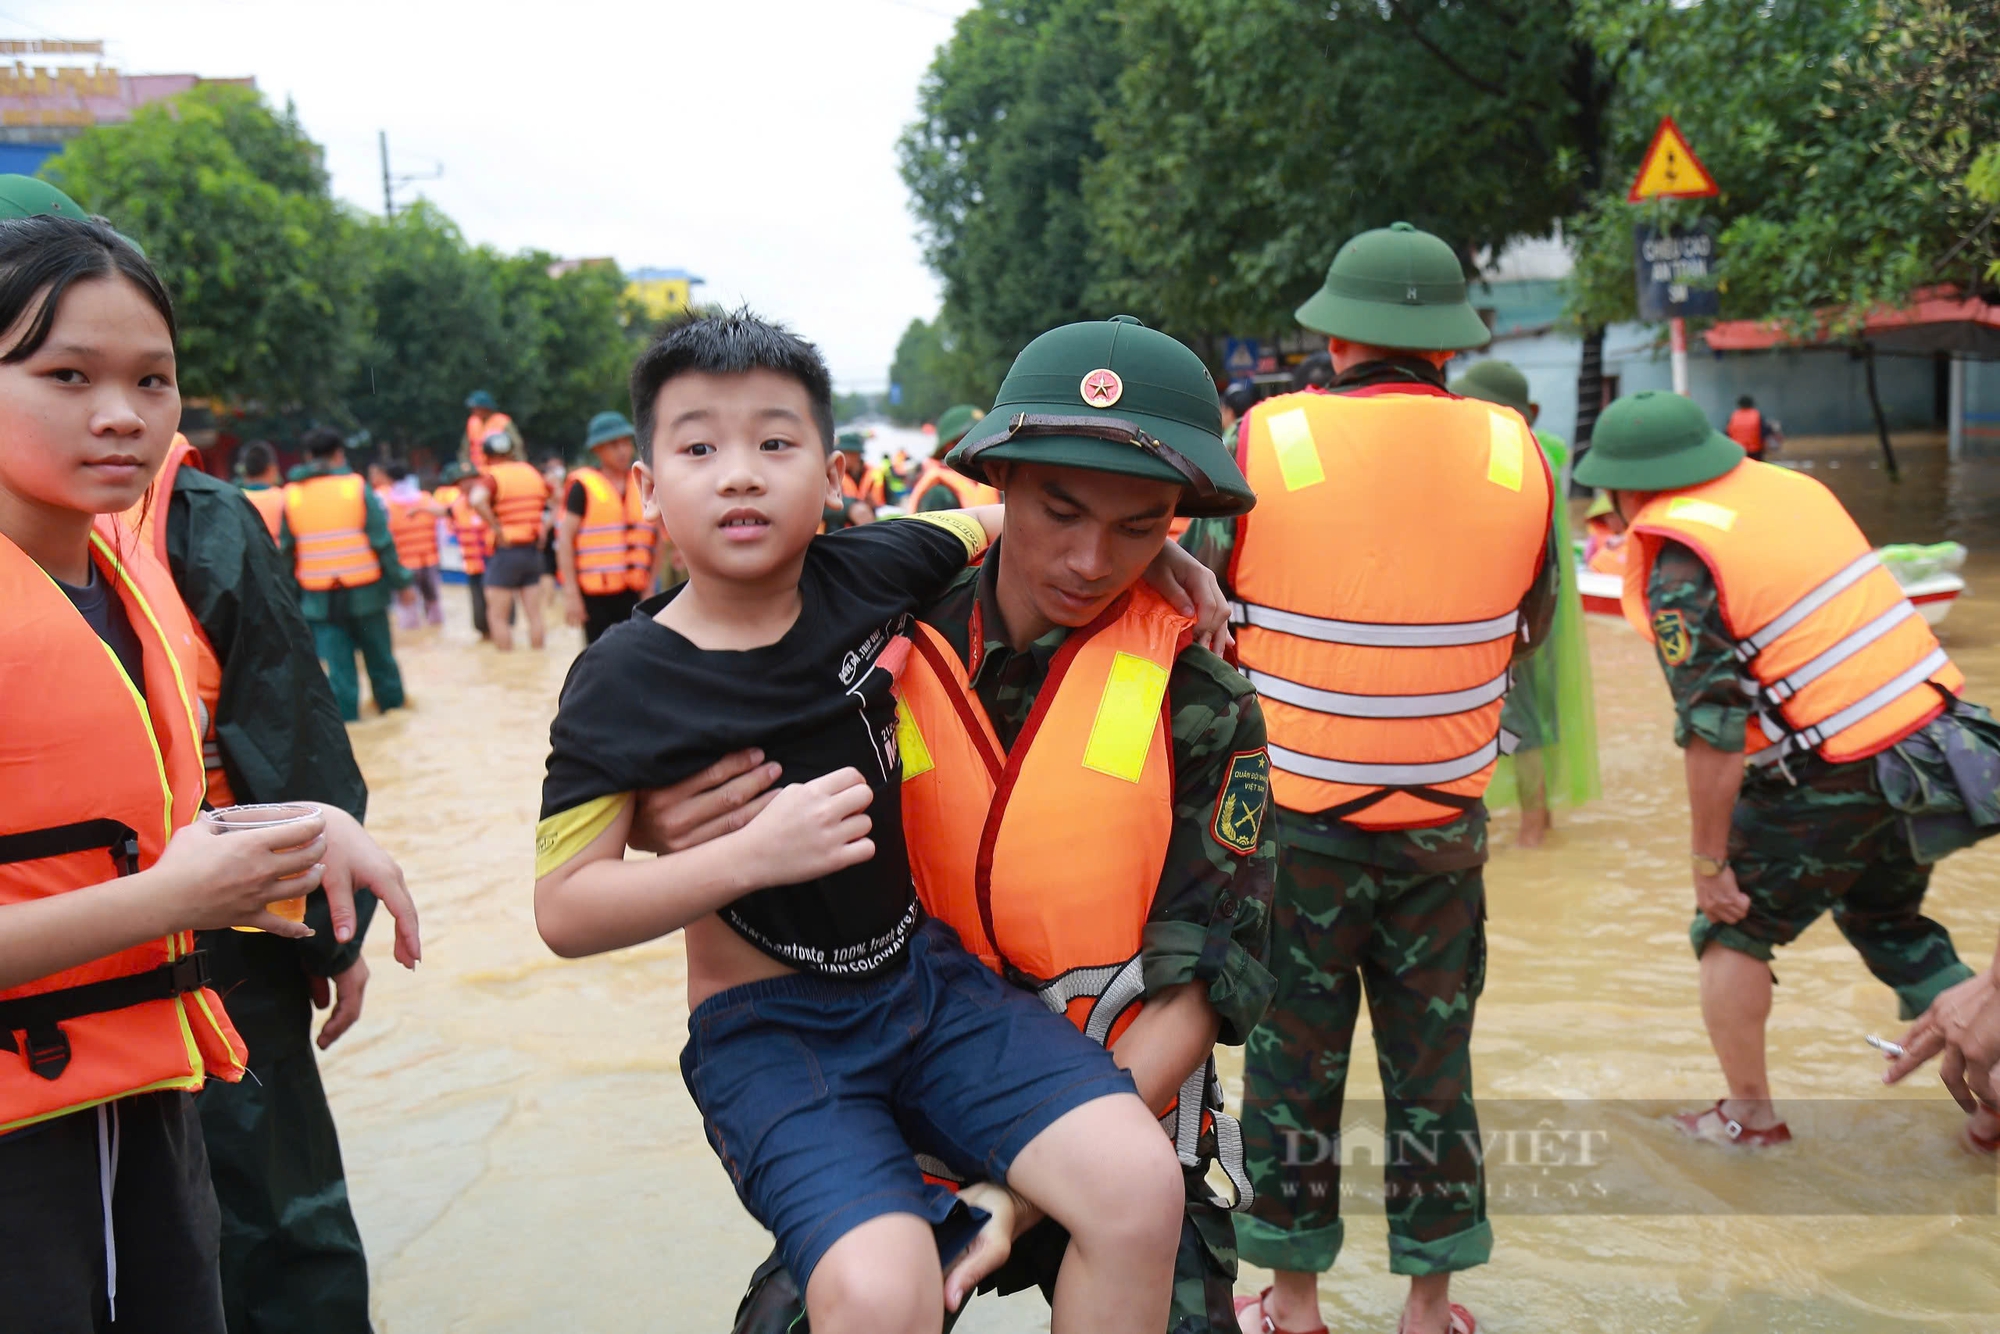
(1710, 866)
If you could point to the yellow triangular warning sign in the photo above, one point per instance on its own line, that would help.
(1671, 170)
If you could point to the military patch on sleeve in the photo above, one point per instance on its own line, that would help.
(1239, 808)
(1671, 633)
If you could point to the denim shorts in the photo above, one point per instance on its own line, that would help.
(816, 1093)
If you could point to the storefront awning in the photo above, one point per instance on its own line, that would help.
(1939, 320)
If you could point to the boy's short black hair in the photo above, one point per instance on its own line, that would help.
(397, 471)
(730, 344)
(322, 442)
(257, 458)
(1745, 401)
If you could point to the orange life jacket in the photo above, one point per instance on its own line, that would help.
(328, 516)
(1380, 653)
(476, 432)
(874, 486)
(1839, 662)
(1746, 428)
(1007, 847)
(614, 544)
(1176, 528)
(93, 782)
(1607, 547)
(968, 492)
(414, 529)
(519, 493)
(268, 501)
(148, 519)
(475, 539)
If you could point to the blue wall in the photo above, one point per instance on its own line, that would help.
(25, 159)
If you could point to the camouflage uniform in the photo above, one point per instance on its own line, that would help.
(1401, 916)
(1828, 840)
(1210, 918)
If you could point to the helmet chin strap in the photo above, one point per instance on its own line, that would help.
(1028, 425)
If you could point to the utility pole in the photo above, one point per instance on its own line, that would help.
(388, 190)
(389, 182)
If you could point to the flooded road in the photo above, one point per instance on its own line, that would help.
(523, 1155)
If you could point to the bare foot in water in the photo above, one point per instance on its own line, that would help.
(1535, 826)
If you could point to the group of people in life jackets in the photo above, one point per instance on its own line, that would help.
(1169, 850)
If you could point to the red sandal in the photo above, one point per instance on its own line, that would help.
(1731, 1131)
(1269, 1326)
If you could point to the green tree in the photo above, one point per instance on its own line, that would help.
(932, 372)
(569, 353)
(230, 202)
(995, 164)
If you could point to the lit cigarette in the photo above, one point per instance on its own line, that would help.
(1880, 1044)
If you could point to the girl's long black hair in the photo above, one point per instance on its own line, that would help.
(39, 259)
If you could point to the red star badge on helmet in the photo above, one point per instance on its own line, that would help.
(1102, 388)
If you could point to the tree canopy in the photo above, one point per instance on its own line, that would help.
(294, 307)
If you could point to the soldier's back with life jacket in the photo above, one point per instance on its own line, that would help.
(1380, 582)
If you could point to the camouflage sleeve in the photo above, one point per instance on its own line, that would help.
(1695, 650)
(1211, 918)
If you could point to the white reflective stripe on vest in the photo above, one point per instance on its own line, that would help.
(1114, 985)
(1786, 687)
(1384, 775)
(1378, 706)
(1747, 649)
(1368, 634)
(1813, 736)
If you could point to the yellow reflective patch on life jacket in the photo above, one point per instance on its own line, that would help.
(1701, 511)
(910, 744)
(1126, 715)
(1505, 454)
(1298, 457)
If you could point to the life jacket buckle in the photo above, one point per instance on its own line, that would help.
(48, 1050)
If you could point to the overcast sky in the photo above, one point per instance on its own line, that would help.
(750, 141)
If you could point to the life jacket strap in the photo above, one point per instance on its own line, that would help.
(1788, 740)
(1343, 705)
(1370, 634)
(40, 1017)
(1777, 692)
(1384, 775)
(1856, 570)
(116, 837)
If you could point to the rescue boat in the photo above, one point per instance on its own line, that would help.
(1928, 576)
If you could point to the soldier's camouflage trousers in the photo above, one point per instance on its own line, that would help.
(1832, 842)
(1415, 941)
(1204, 1275)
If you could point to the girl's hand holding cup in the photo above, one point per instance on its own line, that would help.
(231, 870)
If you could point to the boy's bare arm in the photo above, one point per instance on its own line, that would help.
(597, 901)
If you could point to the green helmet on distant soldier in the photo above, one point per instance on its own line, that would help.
(1396, 287)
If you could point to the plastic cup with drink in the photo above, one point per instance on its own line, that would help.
(261, 816)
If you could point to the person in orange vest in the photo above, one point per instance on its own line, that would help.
(1830, 758)
(1604, 536)
(1751, 429)
(336, 536)
(108, 1022)
(413, 527)
(857, 485)
(1131, 862)
(485, 419)
(608, 551)
(509, 497)
(938, 485)
(475, 539)
(261, 483)
(1382, 656)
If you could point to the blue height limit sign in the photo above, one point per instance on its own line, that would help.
(1675, 268)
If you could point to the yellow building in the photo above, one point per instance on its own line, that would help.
(663, 293)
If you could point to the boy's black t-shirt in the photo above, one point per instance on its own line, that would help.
(644, 708)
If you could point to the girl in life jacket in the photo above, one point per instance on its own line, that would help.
(107, 1026)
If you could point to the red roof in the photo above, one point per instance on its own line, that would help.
(1939, 320)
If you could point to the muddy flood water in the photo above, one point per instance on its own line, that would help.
(524, 1157)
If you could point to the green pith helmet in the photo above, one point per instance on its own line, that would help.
(454, 473)
(1495, 382)
(479, 398)
(851, 442)
(955, 422)
(1396, 287)
(26, 197)
(1112, 396)
(1655, 441)
(606, 427)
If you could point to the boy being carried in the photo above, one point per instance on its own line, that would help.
(835, 1032)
